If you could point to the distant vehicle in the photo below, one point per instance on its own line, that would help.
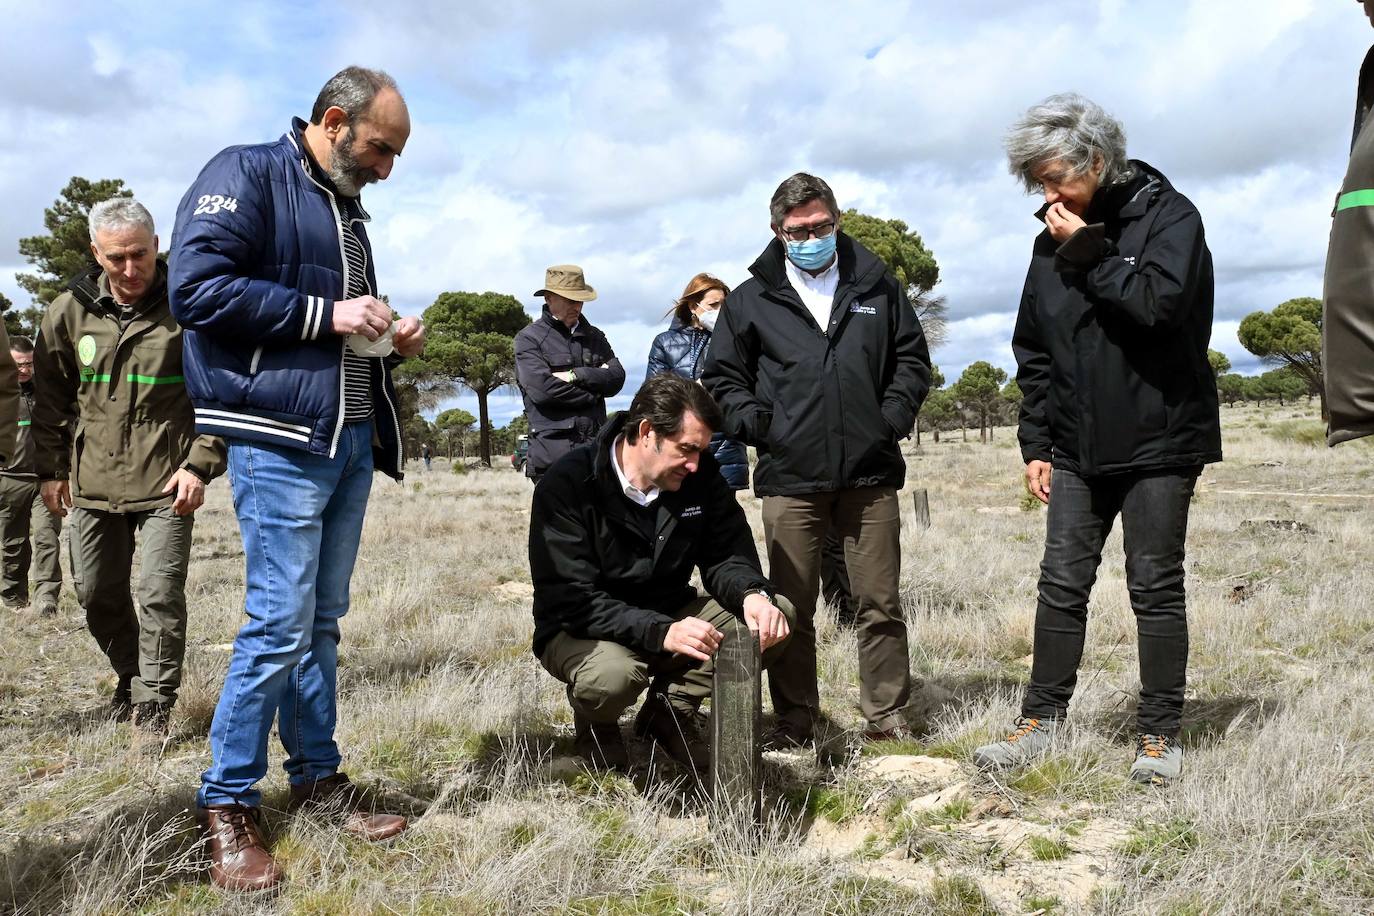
(522, 450)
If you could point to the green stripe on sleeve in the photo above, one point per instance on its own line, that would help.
(25, 422)
(1361, 198)
(156, 379)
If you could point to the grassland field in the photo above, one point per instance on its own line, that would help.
(444, 708)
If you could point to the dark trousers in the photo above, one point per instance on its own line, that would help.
(1154, 525)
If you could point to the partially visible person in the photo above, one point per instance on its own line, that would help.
(566, 370)
(617, 528)
(427, 454)
(287, 355)
(22, 511)
(1364, 91)
(116, 449)
(818, 360)
(1119, 412)
(681, 350)
(1348, 288)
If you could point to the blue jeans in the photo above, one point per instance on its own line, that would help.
(1154, 526)
(301, 516)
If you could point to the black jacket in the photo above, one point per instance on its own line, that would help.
(682, 350)
(1364, 96)
(1111, 338)
(825, 410)
(563, 414)
(597, 575)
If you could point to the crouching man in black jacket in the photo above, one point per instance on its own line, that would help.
(616, 529)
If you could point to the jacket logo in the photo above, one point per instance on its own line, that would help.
(1129, 259)
(85, 349)
(213, 203)
(857, 309)
(690, 512)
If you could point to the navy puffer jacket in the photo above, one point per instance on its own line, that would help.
(682, 350)
(255, 267)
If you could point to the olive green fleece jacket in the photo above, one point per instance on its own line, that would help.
(112, 414)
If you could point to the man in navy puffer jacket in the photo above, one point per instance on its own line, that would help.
(288, 355)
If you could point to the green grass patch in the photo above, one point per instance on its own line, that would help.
(835, 805)
(1046, 904)
(1068, 777)
(906, 748)
(660, 900)
(1046, 849)
(1157, 850)
(960, 895)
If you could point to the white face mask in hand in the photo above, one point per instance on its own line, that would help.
(382, 346)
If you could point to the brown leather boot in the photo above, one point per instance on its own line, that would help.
(355, 808)
(239, 860)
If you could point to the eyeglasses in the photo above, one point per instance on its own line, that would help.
(802, 233)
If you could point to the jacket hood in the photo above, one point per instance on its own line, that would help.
(858, 266)
(86, 286)
(1128, 199)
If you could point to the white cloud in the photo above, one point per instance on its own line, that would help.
(643, 140)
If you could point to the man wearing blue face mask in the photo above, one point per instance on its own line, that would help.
(818, 361)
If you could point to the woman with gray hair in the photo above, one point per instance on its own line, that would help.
(1120, 406)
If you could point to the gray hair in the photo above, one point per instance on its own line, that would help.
(800, 189)
(1071, 128)
(351, 89)
(118, 212)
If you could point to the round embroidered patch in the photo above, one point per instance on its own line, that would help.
(85, 349)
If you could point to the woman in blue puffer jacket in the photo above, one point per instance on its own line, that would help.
(682, 349)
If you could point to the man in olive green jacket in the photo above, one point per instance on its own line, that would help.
(115, 443)
(21, 510)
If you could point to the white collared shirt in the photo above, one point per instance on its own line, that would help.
(817, 293)
(632, 493)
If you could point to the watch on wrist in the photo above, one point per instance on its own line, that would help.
(767, 595)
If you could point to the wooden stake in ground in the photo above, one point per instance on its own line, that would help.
(921, 500)
(736, 704)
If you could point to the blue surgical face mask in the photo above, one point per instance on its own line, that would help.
(812, 254)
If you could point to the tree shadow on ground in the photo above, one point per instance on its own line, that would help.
(127, 853)
(1205, 722)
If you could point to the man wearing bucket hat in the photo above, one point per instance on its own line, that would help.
(566, 369)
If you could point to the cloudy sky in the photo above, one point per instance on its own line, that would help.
(643, 141)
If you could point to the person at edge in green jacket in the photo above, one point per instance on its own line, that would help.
(117, 455)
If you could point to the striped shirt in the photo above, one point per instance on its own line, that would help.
(357, 369)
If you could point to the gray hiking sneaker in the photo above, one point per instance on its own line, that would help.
(1158, 760)
(1030, 739)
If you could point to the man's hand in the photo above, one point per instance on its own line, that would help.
(694, 638)
(57, 496)
(1062, 223)
(409, 339)
(1038, 479)
(190, 491)
(764, 618)
(366, 315)
(567, 375)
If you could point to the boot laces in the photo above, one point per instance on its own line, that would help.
(241, 822)
(1024, 727)
(1154, 746)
